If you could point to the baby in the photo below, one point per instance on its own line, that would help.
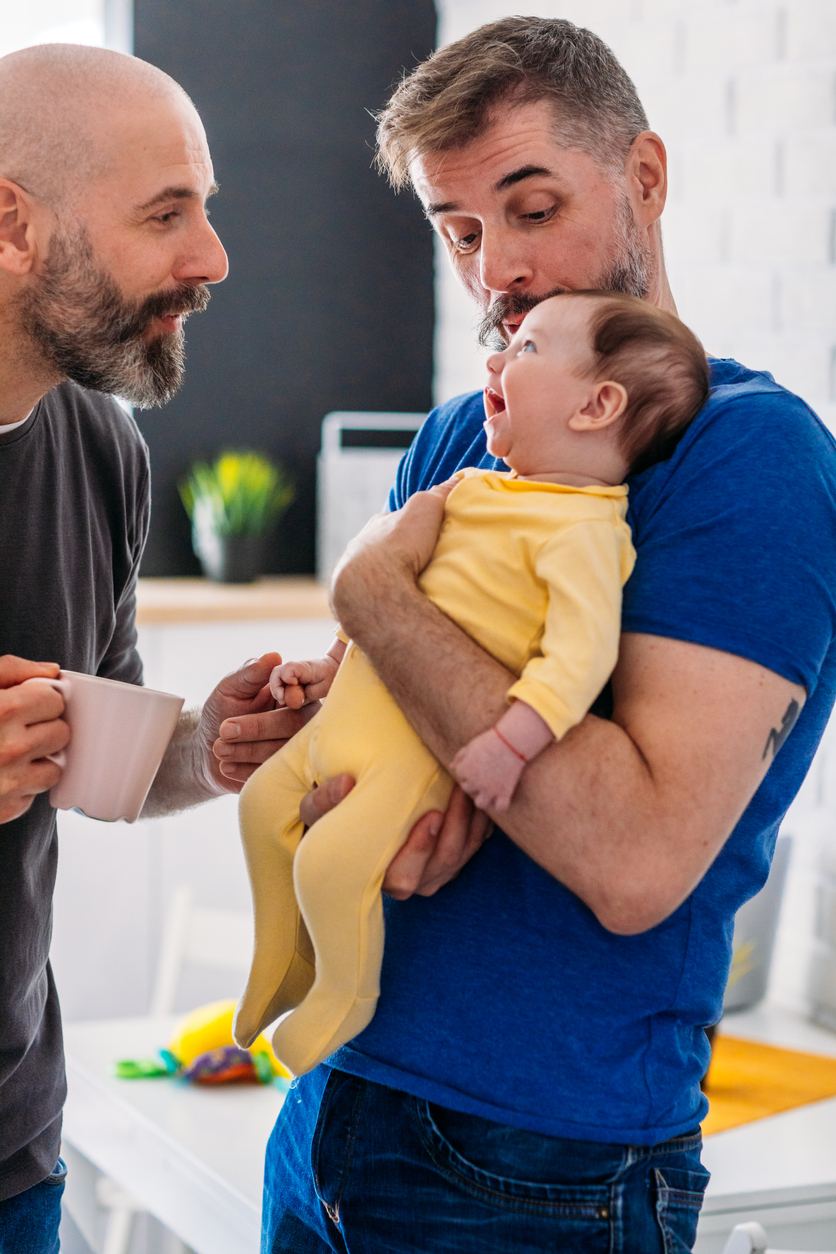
(531, 563)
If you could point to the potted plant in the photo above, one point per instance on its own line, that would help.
(231, 504)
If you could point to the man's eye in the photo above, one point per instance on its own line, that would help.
(466, 243)
(539, 215)
(167, 217)
(528, 347)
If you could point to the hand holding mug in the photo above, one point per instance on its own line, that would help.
(31, 728)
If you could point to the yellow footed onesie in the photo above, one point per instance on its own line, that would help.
(533, 572)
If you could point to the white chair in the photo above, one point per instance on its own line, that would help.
(751, 1239)
(196, 936)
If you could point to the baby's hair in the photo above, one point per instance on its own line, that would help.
(659, 361)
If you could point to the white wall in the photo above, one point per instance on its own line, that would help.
(742, 92)
(51, 21)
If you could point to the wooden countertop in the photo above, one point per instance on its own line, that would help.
(199, 601)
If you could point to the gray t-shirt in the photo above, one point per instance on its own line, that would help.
(74, 505)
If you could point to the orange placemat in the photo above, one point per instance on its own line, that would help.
(748, 1081)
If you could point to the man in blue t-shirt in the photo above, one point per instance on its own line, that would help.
(530, 1080)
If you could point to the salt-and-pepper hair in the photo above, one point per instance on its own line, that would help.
(449, 99)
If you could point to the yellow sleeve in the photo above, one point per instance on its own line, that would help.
(584, 568)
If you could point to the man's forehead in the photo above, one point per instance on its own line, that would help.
(166, 143)
(521, 143)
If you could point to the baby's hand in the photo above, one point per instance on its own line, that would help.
(294, 684)
(488, 771)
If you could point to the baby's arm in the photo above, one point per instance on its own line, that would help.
(583, 567)
(294, 684)
(489, 766)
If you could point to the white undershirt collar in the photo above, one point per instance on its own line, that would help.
(10, 426)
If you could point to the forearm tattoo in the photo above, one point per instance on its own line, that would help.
(778, 735)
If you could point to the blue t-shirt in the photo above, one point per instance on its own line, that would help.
(502, 995)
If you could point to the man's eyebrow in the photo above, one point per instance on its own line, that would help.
(508, 180)
(448, 206)
(175, 193)
(517, 176)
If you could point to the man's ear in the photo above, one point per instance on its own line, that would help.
(647, 177)
(605, 406)
(17, 229)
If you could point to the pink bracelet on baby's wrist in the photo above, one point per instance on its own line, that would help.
(508, 745)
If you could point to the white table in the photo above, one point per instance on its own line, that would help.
(193, 1156)
(781, 1170)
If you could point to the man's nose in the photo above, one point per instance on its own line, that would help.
(503, 264)
(206, 261)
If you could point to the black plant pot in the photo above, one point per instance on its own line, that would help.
(231, 559)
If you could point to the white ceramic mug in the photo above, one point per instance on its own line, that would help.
(118, 735)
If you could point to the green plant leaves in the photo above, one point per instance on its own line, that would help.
(240, 494)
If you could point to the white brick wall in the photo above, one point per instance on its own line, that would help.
(743, 92)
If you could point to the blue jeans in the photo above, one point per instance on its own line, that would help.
(29, 1221)
(358, 1168)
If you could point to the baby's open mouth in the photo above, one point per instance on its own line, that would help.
(494, 403)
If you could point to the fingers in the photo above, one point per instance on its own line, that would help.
(251, 753)
(319, 689)
(437, 848)
(300, 672)
(408, 868)
(32, 701)
(238, 773)
(324, 798)
(41, 739)
(294, 696)
(30, 724)
(464, 830)
(30, 728)
(264, 725)
(489, 799)
(249, 679)
(442, 490)
(15, 670)
(250, 739)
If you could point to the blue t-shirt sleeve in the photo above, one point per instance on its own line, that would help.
(451, 438)
(736, 537)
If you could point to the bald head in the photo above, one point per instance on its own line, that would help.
(63, 108)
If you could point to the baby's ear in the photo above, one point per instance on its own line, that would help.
(605, 406)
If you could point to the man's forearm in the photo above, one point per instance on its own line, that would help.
(628, 813)
(182, 781)
(449, 688)
(588, 809)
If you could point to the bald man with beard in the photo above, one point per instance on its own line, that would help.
(105, 249)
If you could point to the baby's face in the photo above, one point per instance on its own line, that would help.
(536, 384)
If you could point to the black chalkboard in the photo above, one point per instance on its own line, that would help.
(329, 300)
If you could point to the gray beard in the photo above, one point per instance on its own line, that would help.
(84, 329)
(628, 270)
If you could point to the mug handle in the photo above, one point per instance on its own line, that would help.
(59, 758)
